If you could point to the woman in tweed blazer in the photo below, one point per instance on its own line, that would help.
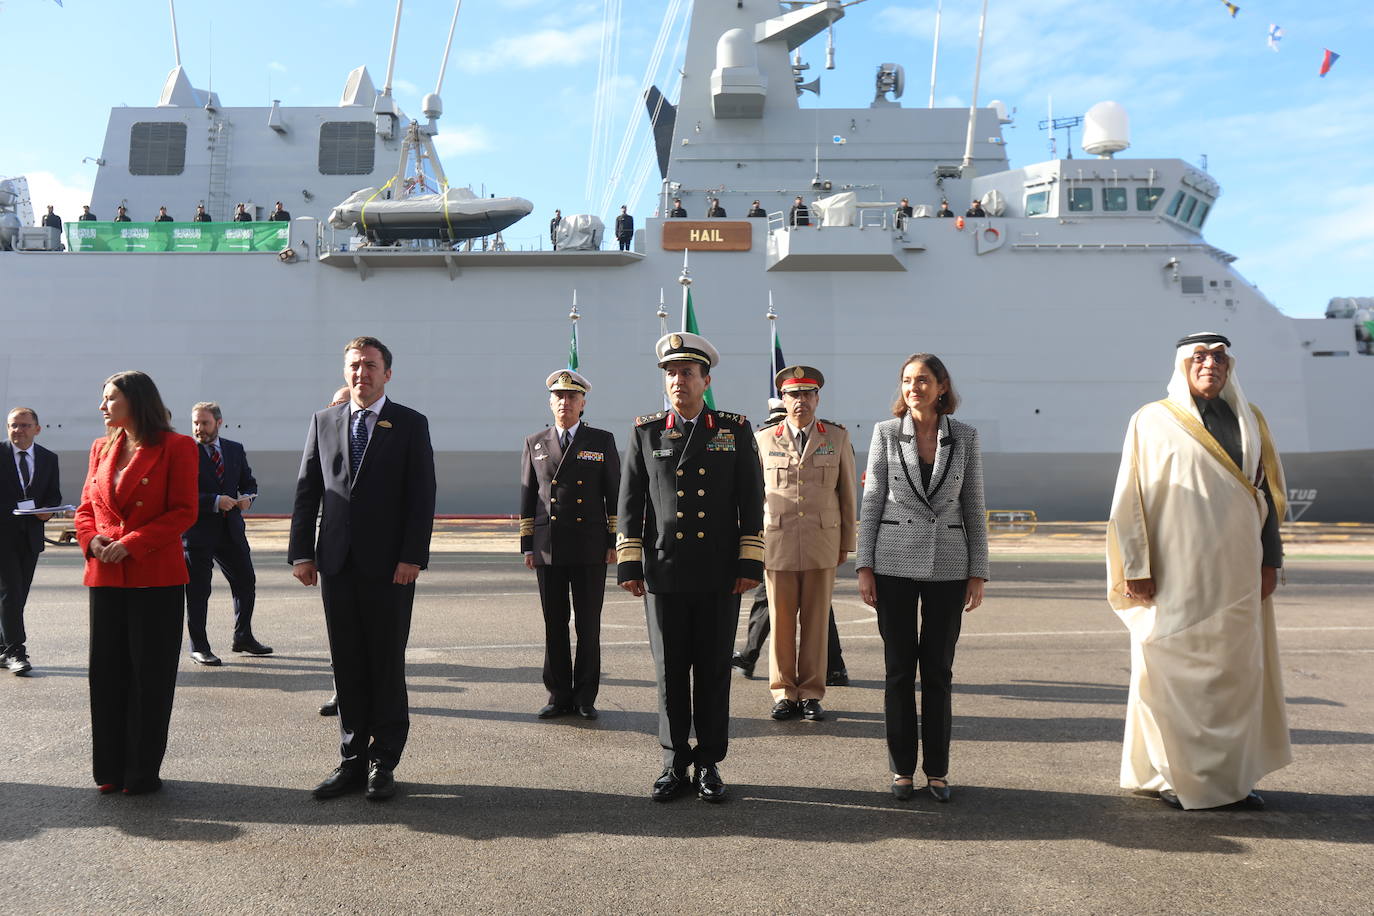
(922, 541)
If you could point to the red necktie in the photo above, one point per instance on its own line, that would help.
(218, 462)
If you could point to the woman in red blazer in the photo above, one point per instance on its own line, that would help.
(140, 495)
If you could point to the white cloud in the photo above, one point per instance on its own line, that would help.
(65, 194)
(461, 140)
(277, 65)
(406, 86)
(536, 49)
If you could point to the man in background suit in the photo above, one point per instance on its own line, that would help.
(227, 489)
(569, 478)
(28, 480)
(624, 229)
(371, 465)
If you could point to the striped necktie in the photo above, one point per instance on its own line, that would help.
(24, 476)
(357, 442)
(218, 461)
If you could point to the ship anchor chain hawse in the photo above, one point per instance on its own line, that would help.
(1104, 254)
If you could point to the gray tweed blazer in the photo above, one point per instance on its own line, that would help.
(938, 534)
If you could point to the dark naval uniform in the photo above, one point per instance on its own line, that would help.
(690, 524)
(567, 521)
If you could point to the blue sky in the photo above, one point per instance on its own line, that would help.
(1294, 154)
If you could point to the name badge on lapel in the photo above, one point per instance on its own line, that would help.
(663, 453)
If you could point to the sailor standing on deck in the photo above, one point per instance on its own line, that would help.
(553, 228)
(690, 534)
(569, 475)
(624, 228)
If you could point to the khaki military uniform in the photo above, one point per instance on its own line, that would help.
(809, 518)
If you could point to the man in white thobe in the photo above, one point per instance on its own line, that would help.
(1193, 553)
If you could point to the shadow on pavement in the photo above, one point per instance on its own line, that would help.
(216, 813)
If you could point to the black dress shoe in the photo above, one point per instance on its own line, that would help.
(251, 646)
(343, 780)
(143, 786)
(811, 710)
(18, 665)
(381, 785)
(1170, 798)
(330, 707)
(837, 678)
(784, 709)
(1252, 802)
(669, 785)
(554, 710)
(903, 791)
(209, 659)
(710, 787)
(587, 712)
(745, 666)
(940, 792)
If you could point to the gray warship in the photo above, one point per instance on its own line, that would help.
(1057, 311)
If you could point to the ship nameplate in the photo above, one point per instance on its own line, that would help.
(707, 235)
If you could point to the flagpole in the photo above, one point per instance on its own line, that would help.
(686, 280)
(772, 317)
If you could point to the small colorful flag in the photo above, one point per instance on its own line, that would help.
(1231, 8)
(572, 348)
(690, 326)
(776, 362)
(1275, 34)
(1329, 57)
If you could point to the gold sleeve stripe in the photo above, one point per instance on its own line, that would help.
(751, 553)
(624, 540)
(526, 526)
(633, 554)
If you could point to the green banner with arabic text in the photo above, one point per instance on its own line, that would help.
(198, 237)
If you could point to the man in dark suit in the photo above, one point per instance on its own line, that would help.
(371, 465)
(163, 216)
(279, 215)
(122, 215)
(678, 211)
(241, 215)
(86, 214)
(227, 489)
(51, 220)
(624, 229)
(569, 477)
(799, 214)
(28, 480)
(705, 550)
(201, 216)
(553, 228)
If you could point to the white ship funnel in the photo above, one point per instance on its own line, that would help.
(1106, 130)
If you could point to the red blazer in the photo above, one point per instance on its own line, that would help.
(153, 505)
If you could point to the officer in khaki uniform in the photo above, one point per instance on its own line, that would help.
(809, 530)
(691, 535)
(569, 476)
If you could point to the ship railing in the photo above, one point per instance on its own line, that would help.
(865, 218)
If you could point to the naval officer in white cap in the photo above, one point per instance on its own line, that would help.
(690, 534)
(569, 474)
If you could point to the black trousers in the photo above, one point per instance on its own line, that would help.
(625, 243)
(759, 625)
(235, 560)
(691, 636)
(572, 683)
(135, 647)
(929, 646)
(368, 620)
(17, 563)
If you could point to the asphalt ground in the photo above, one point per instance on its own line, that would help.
(502, 813)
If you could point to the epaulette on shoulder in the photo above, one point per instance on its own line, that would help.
(733, 417)
(832, 423)
(770, 423)
(640, 421)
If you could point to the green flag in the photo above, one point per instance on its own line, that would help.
(572, 349)
(690, 326)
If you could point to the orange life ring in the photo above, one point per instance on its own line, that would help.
(959, 223)
(991, 234)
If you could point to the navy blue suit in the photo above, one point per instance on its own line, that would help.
(21, 539)
(366, 525)
(218, 537)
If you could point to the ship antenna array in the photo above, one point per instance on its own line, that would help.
(1065, 124)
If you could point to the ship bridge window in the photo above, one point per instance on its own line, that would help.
(1113, 199)
(1146, 198)
(1175, 203)
(1201, 213)
(1187, 212)
(346, 148)
(1080, 200)
(157, 148)
(1037, 203)
(1190, 286)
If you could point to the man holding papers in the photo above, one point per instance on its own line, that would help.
(28, 480)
